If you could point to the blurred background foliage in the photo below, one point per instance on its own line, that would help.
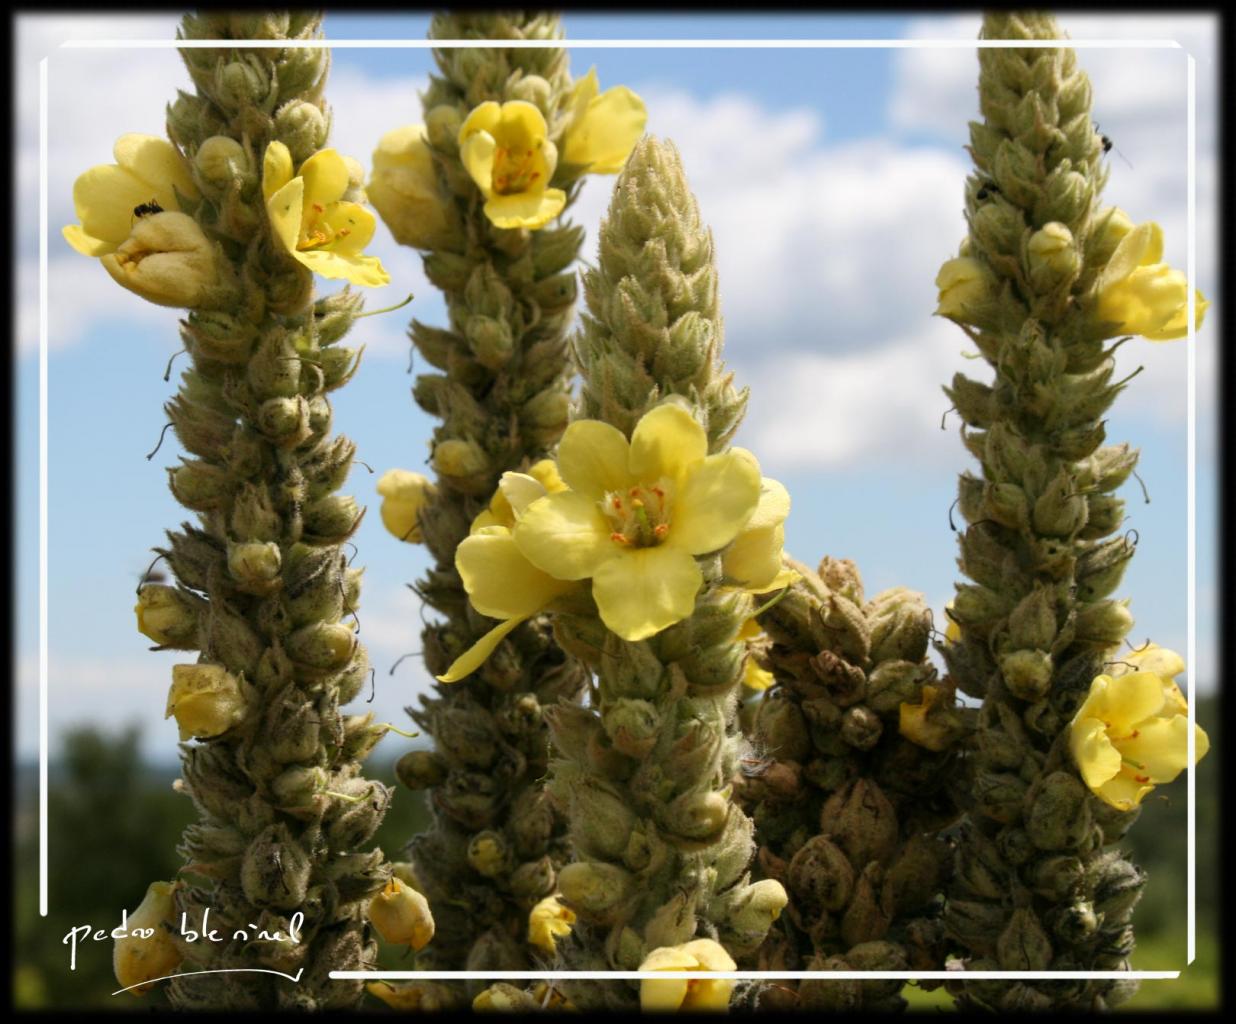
(114, 823)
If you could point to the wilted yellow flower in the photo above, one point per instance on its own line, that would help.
(313, 222)
(670, 994)
(918, 725)
(205, 699)
(162, 616)
(1132, 732)
(404, 495)
(137, 959)
(549, 921)
(602, 129)
(637, 513)
(500, 580)
(964, 283)
(1143, 295)
(403, 188)
(753, 561)
(506, 149)
(754, 676)
(167, 260)
(401, 915)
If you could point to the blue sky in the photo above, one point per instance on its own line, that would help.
(833, 182)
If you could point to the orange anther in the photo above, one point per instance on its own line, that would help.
(660, 530)
(618, 538)
(319, 207)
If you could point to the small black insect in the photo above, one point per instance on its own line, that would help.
(987, 190)
(1107, 143)
(146, 209)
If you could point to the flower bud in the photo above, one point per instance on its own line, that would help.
(1113, 224)
(488, 854)
(820, 876)
(549, 921)
(534, 878)
(331, 520)
(238, 83)
(205, 699)
(322, 645)
(748, 918)
(275, 870)
(867, 918)
(200, 486)
(531, 89)
(168, 616)
(1057, 878)
(167, 260)
(861, 727)
(442, 128)
(401, 915)
(421, 769)
(1058, 816)
(593, 889)
(1027, 673)
(138, 958)
(254, 566)
(285, 421)
(221, 159)
(1023, 945)
(696, 815)
(460, 459)
(295, 787)
(861, 821)
(1104, 624)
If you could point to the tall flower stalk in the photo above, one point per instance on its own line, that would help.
(228, 223)
(853, 781)
(651, 574)
(478, 187)
(1045, 279)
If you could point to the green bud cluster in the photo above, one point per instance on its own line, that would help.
(847, 810)
(262, 584)
(499, 387)
(1038, 620)
(643, 771)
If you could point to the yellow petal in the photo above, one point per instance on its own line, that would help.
(276, 168)
(84, 244)
(643, 590)
(607, 132)
(477, 154)
(1164, 663)
(520, 490)
(592, 458)
(500, 581)
(754, 677)
(1122, 792)
(1160, 748)
(105, 198)
(326, 178)
(662, 995)
(364, 271)
(754, 559)
(1178, 326)
(1140, 247)
(156, 162)
(484, 118)
(718, 495)
(474, 657)
(774, 504)
(1130, 700)
(710, 955)
(583, 92)
(565, 535)
(351, 226)
(522, 124)
(284, 207)
(1097, 760)
(666, 442)
(530, 210)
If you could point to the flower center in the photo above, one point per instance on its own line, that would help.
(515, 169)
(316, 231)
(640, 517)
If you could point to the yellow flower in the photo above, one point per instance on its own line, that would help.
(404, 188)
(205, 699)
(312, 221)
(501, 582)
(637, 513)
(549, 921)
(602, 129)
(1143, 295)
(137, 959)
(148, 171)
(163, 617)
(401, 915)
(669, 994)
(964, 283)
(506, 149)
(753, 561)
(1132, 732)
(404, 495)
